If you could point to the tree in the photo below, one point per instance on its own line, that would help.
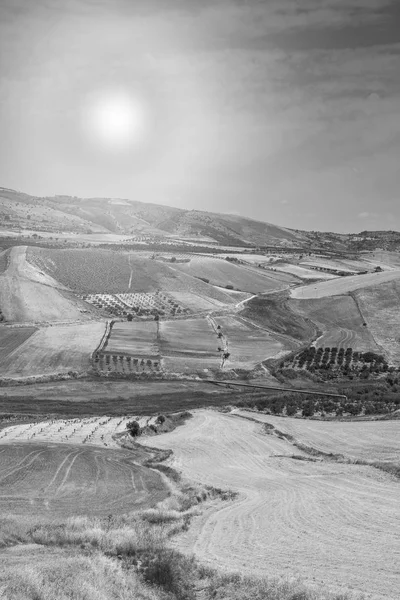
(129, 317)
(134, 428)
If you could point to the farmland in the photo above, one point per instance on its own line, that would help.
(12, 338)
(247, 344)
(364, 440)
(331, 523)
(29, 295)
(343, 285)
(380, 307)
(222, 273)
(54, 349)
(340, 321)
(61, 480)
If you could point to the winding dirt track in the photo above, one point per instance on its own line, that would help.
(331, 524)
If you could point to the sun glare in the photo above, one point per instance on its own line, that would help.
(115, 120)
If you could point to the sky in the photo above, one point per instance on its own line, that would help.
(286, 111)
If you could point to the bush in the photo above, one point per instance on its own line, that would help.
(134, 428)
(170, 571)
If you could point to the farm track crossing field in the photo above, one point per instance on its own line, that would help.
(332, 524)
(380, 308)
(343, 285)
(54, 349)
(365, 440)
(57, 480)
(340, 320)
(248, 344)
(12, 338)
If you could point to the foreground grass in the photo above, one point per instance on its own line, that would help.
(125, 557)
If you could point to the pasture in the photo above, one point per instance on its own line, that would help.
(247, 344)
(340, 321)
(343, 285)
(328, 523)
(54, 349)
(48, 480)
(380, 307)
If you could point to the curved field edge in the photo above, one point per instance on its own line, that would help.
(291, 514)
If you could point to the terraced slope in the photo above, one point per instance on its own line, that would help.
(329, 523)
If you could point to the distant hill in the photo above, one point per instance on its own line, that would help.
(142, 220)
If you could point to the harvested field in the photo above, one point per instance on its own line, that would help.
(343, 285)
(331, 524)
(57, 480)
(28, 295)
(135, 338)
(247, 344)
(364, 440)
(380, 308)
(196, 303)
(12, 338)
(340, 320)
(191, 337)
(222, 272)
(188, 366)
(54, 349)
(345, 265)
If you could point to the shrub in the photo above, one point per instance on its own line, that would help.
(134, 428)
(170, 571)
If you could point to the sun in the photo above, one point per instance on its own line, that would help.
(115, 120)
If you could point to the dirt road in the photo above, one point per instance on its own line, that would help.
(331, 524)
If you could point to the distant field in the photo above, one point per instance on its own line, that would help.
(343, 285)
(11, 338)
(340, 320)
(342, 265)
(56, 480)
(367, 440)
(221, 272)
(113, 272)
(248, 345)
(302, 271)
(134, 338)
(3, 260)
(380, 307)
(54, 349)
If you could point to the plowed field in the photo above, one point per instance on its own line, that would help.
(60, 480)
(332, 524)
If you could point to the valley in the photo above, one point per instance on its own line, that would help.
(150, 318)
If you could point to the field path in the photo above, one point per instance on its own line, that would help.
(329, 523)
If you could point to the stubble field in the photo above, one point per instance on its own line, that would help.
(343, 285)
(56, 480)
(54, 349)
(329, 523)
